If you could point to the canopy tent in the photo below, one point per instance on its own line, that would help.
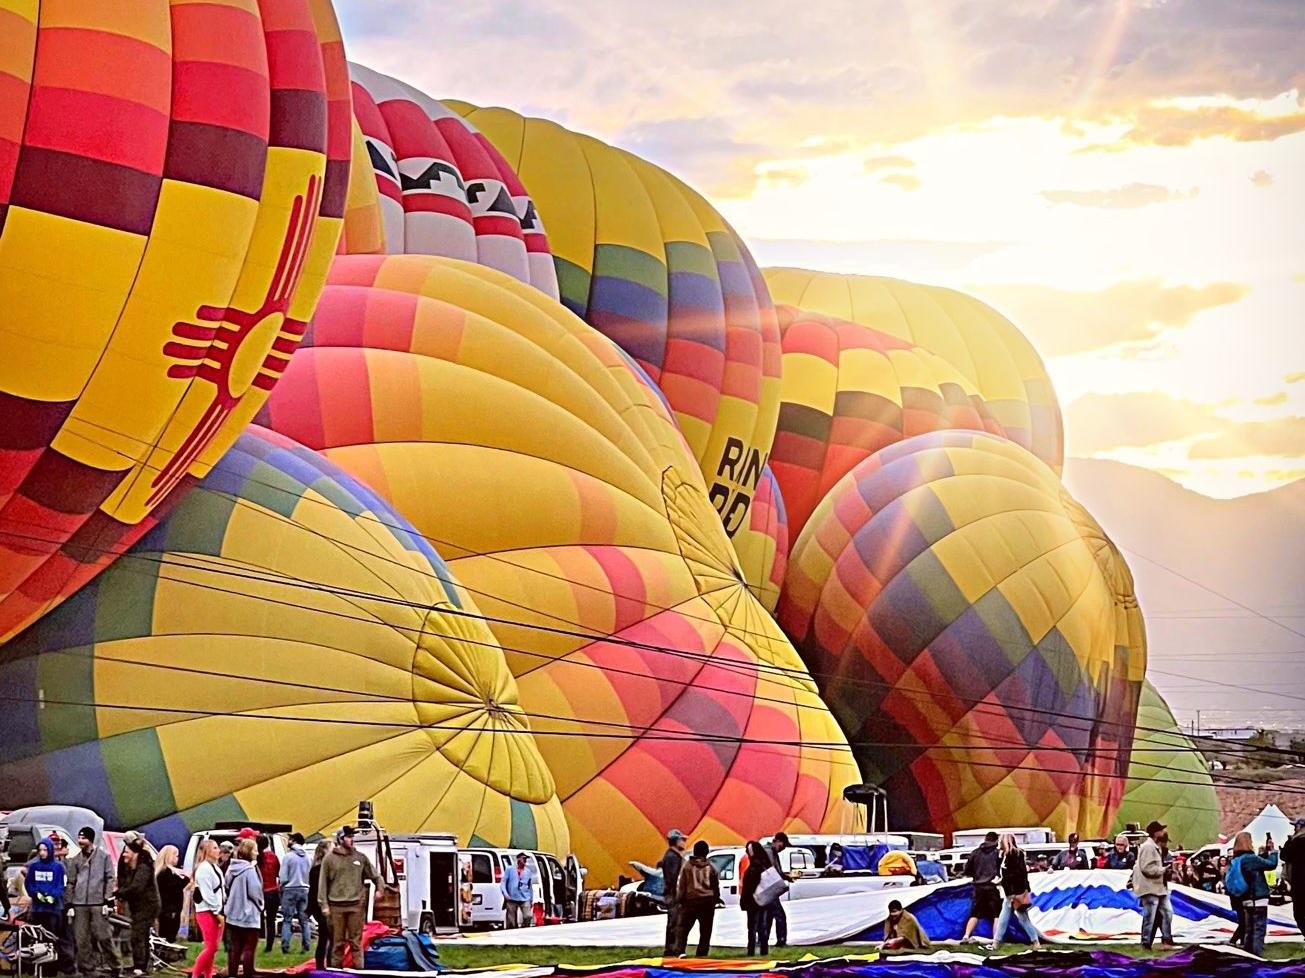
(1271, 821)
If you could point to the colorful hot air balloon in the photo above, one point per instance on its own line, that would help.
(762, 545)
(974, 632)
(988, 350)
(172, 183)
(280, 646)
(646, 260)
(849, 390)
(1168, 778)
(444, 188)
(523, 444)
(364, 226)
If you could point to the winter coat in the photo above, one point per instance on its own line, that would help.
(314, 889)
(698, 881)
(140, 890)
(1293, 861)
(91, 879)
(1071, 859)
(1120, 860)
(345, 873)
(1014, 873)
(294, 868)
(984, 864)
(671, 863)
(244, 907)
(44, 883)
(1149, 871)
(907, 929)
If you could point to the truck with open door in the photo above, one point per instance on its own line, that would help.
(423, 870)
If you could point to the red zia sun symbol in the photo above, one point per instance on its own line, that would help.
(228, 353)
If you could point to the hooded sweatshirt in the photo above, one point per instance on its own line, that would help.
(984, 864)
(45, 881)
(244, 895)
(344, 876)
(698, 881)
(294, 868)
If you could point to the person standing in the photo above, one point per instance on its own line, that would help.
(345, 875)
(44, 883)
(293, 880)
(1251, 867)
(92, 885)
(244, 908)
(172, 883)
(1121, 856)
(518, 892)
(315, 907)
(1293, 861)
(758, 917)
(983, 866)
(778, 843)
(1072, 857)
(210, 896)
(139, 890)
(699, 892)
(269, 869)
(671, 863)
(1151, 888)
(1015, 884)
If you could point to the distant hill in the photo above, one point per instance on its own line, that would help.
(1222, 583)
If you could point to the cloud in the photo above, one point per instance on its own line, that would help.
(1272, 400)
(1127, 197)
(874, 164)
(1174, 125)
(1101, 422)
(1262, 178)
(702, 151)
(1281, 437)
(1295, 378)
(907, 181)
(1062, 322)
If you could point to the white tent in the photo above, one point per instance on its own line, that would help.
(1271, 821)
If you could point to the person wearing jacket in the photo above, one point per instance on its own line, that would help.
(983, 866)
(293, 880)
(758, 916)
(89, 898)
(778, 843)
(1015, 884)
(518, 892)
(344, 878)
(138, 889)
(244, 908)
(172, 892)
(671, 863)
(44, 883)
(1151, 888)
(1121, 856)
(315, 908)
(698, 890)
(1293, 862)
(1255, 901)
(210, 897)
(269, 869)
(902, 932)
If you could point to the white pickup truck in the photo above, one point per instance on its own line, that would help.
(799, 864)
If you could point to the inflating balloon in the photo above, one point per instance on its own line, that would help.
(170, 197)
(849, 390)
(646, 260)
(988, 350)
(974, 632)
(530, 451)
(1167, 778)
(762, 545)
(444, 188)
(282, 645)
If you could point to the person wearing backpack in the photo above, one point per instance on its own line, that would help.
(1151, 889)
(1245, 880)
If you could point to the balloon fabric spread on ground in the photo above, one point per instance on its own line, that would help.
(443, 188)
(988, 350)
(172, 184)
(651, 264)
(849, 390)
(974, 632)
(285, 615)
(1167, 777)
(539, 462)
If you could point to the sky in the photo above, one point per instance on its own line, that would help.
(1125, 179)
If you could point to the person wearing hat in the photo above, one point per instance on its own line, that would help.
(518, 892)
(343, 881)
(92, 886)
(139, 890)
(1293, 862)
(1151, 888)
(670, 864)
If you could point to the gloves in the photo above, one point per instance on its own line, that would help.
(106, 910)
(72, 912)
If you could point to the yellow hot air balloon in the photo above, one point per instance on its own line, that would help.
(280, 647)
(535, 456)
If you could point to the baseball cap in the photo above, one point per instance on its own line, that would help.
(227, 846)
(1154, 827)
(247, 833)
(675, 835)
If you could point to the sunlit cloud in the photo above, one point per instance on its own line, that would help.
(1127, 197)
(906, 181)
(1171, 125)
(874, 164)
(1283, 437)
(1262, 178)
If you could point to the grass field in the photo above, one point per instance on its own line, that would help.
(467, 954)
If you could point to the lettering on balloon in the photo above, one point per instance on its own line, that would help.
(741, 466)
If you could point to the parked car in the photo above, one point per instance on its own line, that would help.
(558, 886)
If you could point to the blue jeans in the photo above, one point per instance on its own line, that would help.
(1255, 922)
(781, 923)
(1152, 905)
(294, 905)
(1003, 921)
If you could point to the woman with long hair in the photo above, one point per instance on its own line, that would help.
(244, 908)
(1251, 867)
(172, 883)
(1015, 884)
(325, 935)
(758, 916)
(210, 896)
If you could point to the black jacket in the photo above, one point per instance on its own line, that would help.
(1015, 873)
(984, 864)
(140, 891)
(748, 885)
(314, 883)
(671, 864)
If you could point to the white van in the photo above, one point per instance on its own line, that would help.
(806, 879)
(279, 833)
(557, 886)
(425, 868)
(1026, 836)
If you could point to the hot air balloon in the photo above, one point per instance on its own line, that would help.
(646, 260)
(762, 545)
(1167, 778)
(444, 189)
(849, 390)
(282, 645)
(974, 632)
(530, 452)
(364, 226)
(988, 350)
(170, 196)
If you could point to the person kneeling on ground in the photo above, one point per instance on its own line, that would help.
(902, 932)
(698, 892)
